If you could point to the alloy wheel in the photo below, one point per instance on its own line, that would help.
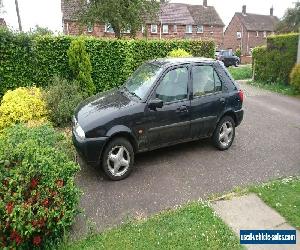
(226, 133)
(118, 161)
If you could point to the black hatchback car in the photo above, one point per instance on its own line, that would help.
(164, 102)
(228, 58)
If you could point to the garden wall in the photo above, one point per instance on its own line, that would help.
(274, 62)
(32, 60)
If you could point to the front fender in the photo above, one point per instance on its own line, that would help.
(118, 129)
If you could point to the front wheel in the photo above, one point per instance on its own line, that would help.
(118, 159)
(224, 134)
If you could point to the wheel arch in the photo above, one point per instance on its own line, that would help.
(230, 113)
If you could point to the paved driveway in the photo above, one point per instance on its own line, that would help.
(267, 146)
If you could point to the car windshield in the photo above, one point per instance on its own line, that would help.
(142, 80)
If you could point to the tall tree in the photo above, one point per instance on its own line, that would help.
(290, 21)
(18, 14)
(122, 15)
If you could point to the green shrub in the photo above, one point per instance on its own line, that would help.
(22, 105)
(295, 77)
(27, 60)
(274, 62)
(238, 53)
(62, 97)
(38, 196)
(179, 53)
(80, 65)
(242, 72)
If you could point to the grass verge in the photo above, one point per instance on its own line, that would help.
(276, 87)
(194, 226)
(242, 72)
(284, 196)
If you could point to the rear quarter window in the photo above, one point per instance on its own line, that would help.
(225, 76)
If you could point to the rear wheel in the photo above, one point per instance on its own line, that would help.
(224, 134)
(118, 159)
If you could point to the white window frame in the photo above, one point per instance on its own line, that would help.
(265, 34)
(153, 28)
(175, 28)
(257, 34)
(126, 31)
(143, 29)
(189, 29)
(107, 28)
(90, 28)
(239, 35)
(165, 29)
(200, 29)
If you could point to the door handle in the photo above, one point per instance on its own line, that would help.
(182, 108)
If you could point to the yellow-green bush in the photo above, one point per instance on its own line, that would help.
(179, 53)
(295, 77)
(22, 105)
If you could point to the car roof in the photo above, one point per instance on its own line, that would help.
(167, 62)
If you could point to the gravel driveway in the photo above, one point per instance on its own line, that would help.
(267, 146)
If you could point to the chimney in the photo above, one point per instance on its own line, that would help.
(271, 11)
(205, 3)
(244, 10)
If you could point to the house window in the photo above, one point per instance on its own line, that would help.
(154, 28)
(109, 28)
(257, 34)
(265, 34)
(175, 28)
(143, 29)
(238, 35)
(189, 29)
(199, 28)
(126, 31)
(165, 29)
(90, 28)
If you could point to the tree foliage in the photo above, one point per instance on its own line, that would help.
(122, 15)
(41, 31)
(80, 65)
(290, 21)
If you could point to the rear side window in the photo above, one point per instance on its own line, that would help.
(205, 80)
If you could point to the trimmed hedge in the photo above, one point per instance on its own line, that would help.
(38, 195)
(274, 62)
(27, 60)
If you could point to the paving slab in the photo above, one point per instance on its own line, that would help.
(251, 213)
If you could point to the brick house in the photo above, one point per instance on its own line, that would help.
(2, 22)
(247, 31)
(174, 21)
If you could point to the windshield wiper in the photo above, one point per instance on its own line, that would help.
(124, 88)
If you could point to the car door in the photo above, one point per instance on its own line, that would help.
(170, 123)
(207, 102)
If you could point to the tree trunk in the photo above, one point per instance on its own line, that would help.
(18, 14)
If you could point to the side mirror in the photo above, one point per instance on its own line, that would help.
(155, 103)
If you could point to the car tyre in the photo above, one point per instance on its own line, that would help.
(118, 159)
(236, 63)
(224, 133)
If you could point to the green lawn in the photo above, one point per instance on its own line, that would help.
(194, 226)
(276, 87)
(284, 196)
(242, 72)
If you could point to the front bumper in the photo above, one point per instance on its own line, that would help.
(90, 149)
(239, 117)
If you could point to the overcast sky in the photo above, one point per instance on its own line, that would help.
(47, 13)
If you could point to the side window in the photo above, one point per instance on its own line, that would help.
(174, 85)
(205, 80)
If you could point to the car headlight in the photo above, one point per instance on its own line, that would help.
(78, 130)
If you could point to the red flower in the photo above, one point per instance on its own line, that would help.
(59, 183)
(34, 183)
(37, 240)
(9, 207)
(45, 202)
(5, 183)
(16, 237)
